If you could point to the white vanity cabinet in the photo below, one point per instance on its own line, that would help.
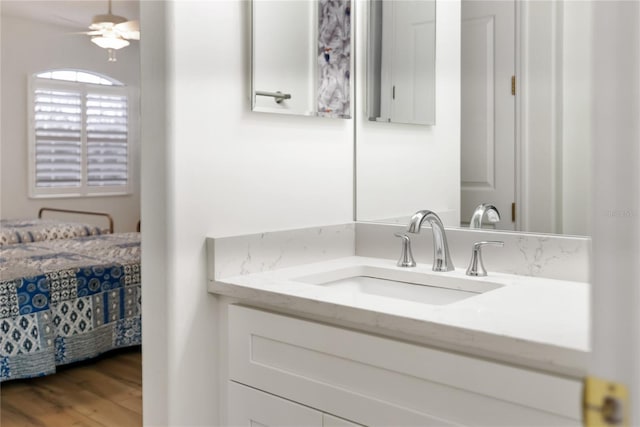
(276, 360)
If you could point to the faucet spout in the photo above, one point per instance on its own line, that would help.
(441, 257)
(484, 210)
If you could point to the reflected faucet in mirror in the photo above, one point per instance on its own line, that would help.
(482, 211)
(441, 257)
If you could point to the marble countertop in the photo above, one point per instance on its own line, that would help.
(535, 322)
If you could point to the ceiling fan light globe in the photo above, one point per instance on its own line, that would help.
(110, 42)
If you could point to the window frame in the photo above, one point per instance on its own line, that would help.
(84, 190)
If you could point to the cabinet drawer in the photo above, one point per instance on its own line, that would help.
(250, 407)
(331, 421)
(381, 381)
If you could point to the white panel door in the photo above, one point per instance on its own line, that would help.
(488, 108)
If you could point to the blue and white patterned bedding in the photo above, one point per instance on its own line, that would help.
(62, 301)
(14, 231)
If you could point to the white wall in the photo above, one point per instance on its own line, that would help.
(28, 47)
(155, 211)
(222, 170)
(404, 168)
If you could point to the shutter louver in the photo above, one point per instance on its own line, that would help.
(58, 138)
(107, 139)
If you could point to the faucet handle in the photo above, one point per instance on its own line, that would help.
(476, 266)
(406, 256)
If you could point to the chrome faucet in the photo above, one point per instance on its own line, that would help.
(441, 258)
(484, 210)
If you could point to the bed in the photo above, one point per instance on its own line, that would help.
(15, 231)
(62, 301)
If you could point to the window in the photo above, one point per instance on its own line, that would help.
(79, 135)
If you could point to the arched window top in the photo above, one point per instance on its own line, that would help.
(79, 76)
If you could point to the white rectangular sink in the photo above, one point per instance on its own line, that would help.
(426, 288)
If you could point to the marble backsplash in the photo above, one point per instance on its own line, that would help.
(256, 253)
(539, 255)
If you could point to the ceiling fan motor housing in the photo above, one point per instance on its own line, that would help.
(101, 22)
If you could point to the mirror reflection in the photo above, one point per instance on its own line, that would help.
(524, 147)
(301, 57)
(401, 61)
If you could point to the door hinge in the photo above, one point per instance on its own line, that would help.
(513, 85)
(394, 93)
(604, 403)
(513, 212)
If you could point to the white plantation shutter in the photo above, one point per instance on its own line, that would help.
(58, 138)
(107, 136)
(79, 140)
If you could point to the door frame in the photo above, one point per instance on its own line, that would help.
(615, 208)
(526, 129)
(519, 186)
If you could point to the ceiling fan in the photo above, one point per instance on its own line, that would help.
(113, 32)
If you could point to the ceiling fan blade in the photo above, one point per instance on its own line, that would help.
(131, 35)
(128, 26)
(129, 30)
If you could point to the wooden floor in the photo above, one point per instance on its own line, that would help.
(106, 392)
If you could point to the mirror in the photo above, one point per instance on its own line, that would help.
(527, 152)
(301, 57)
(401, 56)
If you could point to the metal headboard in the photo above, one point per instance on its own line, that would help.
(71, 211)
